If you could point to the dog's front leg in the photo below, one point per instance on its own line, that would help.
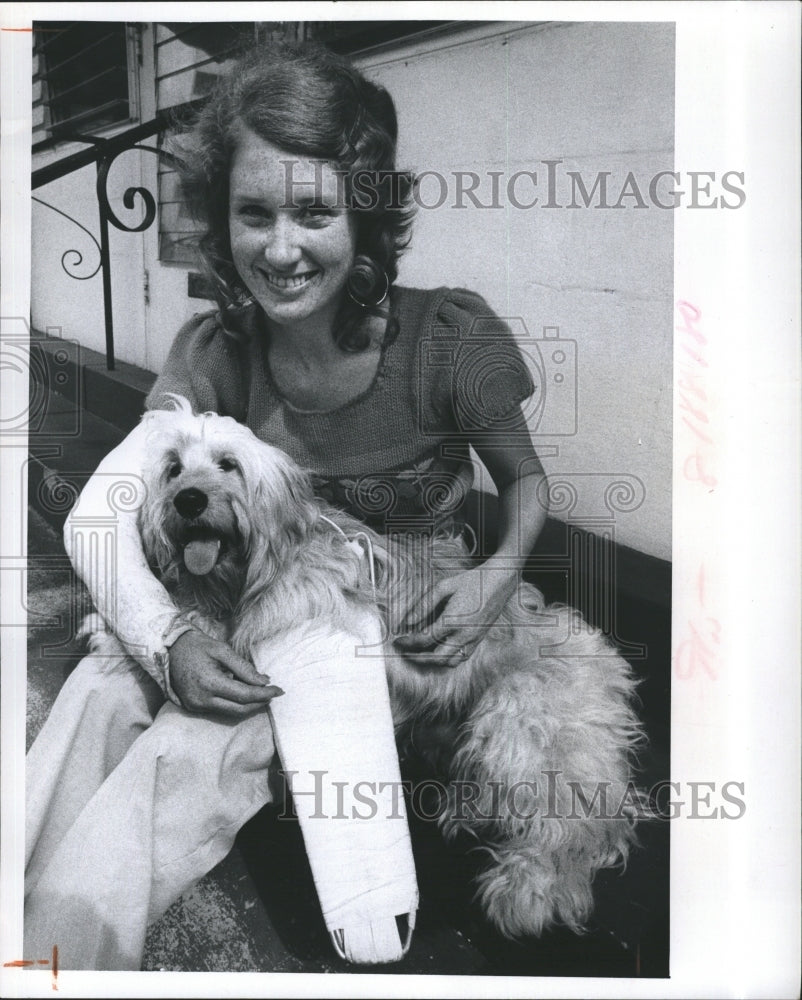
(334, 734)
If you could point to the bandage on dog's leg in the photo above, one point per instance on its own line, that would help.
(334, 734)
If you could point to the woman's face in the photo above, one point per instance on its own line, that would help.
(292, 239)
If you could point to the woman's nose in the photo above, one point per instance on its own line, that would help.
(282, 249)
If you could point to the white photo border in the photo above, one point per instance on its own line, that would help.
(735, 914)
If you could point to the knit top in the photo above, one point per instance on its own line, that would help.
(398, 453)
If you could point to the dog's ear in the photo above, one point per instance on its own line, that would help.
(278, 491)
(275, 515)
(159, 550)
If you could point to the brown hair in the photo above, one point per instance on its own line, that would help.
(310, 102)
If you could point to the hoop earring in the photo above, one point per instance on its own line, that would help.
(362, 303)
(232, 298)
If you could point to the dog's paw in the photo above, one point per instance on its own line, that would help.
(523, 894)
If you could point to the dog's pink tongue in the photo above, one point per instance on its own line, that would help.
(201, 555)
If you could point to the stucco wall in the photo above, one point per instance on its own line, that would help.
(598, 97)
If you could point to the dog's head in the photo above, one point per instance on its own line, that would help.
(220, 505)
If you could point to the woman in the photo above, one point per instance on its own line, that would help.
(381, 390)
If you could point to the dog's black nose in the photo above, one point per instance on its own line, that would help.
(190, 503)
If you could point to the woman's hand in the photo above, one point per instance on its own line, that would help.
(201, 671)
(464, 607)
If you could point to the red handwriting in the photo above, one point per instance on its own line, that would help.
(698, 653)
(24, 963)
(693, 400)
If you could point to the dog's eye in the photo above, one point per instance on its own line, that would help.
(174, 470)
(227, 465)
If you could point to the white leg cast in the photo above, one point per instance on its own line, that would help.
(334, 735)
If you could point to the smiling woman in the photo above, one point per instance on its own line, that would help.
(381, 392)
(294, 256)
(286, 139)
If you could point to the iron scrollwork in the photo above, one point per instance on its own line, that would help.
(130, 194)
(77, 258)
(104, 154)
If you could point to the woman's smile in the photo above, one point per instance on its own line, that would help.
(290, 282)
(292, 240)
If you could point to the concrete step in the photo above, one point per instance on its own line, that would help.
(80, 375)
(79, 411)
(65, 448)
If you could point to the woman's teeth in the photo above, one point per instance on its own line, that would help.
(294, 281)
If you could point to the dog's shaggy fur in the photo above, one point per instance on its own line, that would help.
(541, 772)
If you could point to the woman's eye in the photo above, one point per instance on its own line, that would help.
(253, 213)
(174, 470)
(317, 213)
(227, 465)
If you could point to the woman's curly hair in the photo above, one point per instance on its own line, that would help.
(313, 103)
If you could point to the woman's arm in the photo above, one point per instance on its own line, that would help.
(471, 601)
(519, 479)
(101, 536)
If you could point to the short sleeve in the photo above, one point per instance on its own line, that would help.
(204, 366)
(477, 376)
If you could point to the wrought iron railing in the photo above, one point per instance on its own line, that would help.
(103, 152)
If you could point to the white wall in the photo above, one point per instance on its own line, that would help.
(599, 97)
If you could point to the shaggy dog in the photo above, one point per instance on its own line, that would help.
(540, 773)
